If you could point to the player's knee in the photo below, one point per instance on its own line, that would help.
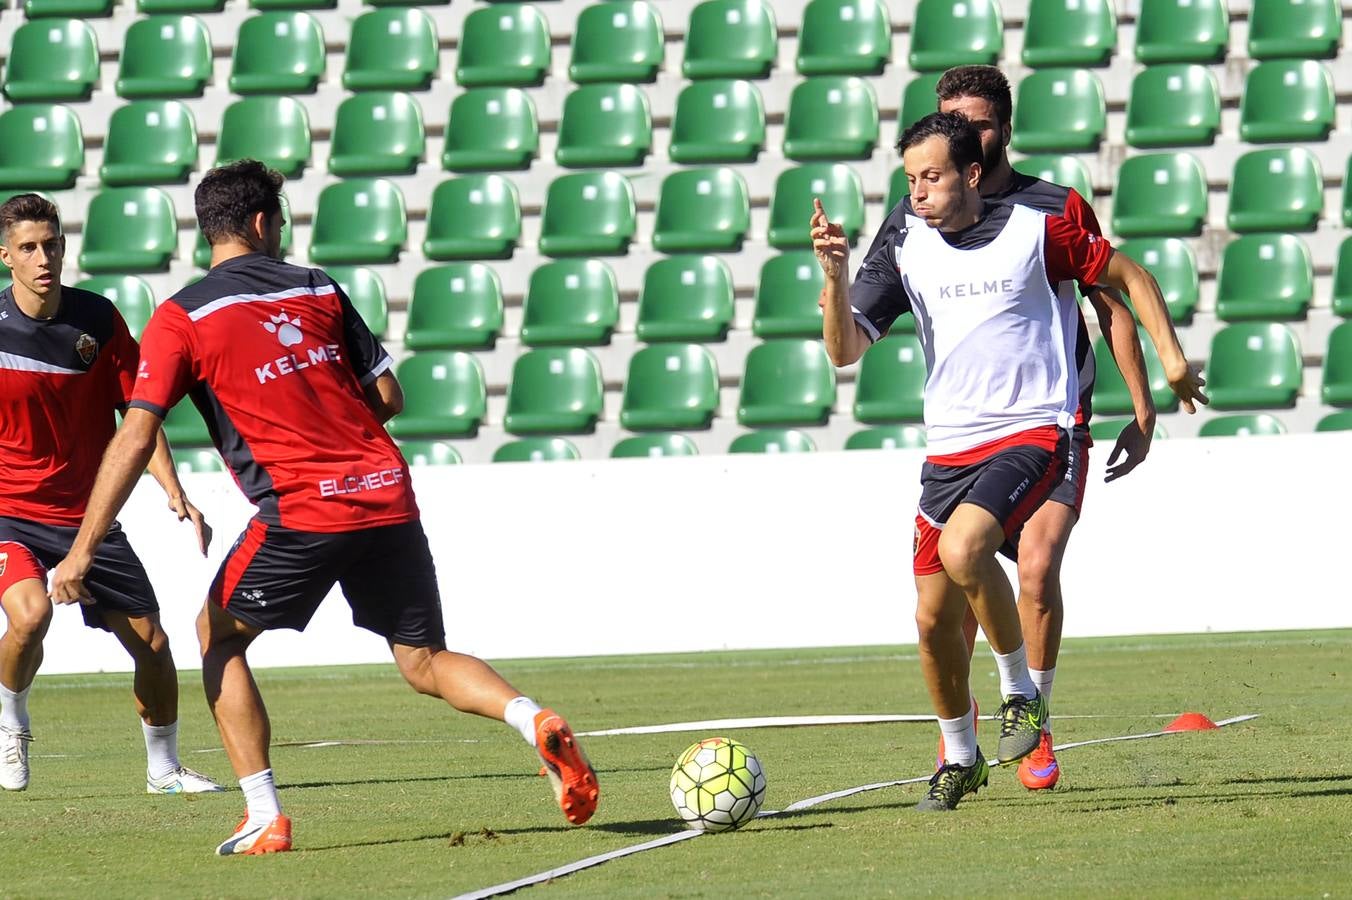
(417, 671)
(1038, 576)
(29, 613)
(936, 618)
(963, 553)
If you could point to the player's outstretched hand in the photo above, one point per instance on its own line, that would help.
(65, 583)
(1131, 448)
(182, 507)
(1188, 385)
(828, 242)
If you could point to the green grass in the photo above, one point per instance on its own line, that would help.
(1258, 809)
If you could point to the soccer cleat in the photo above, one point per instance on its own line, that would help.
(1039, 770)
(976, 721)
(1021, 721)
(182, 781)
(572, 776)
(14, 758)
(953, 782)
(273, 836)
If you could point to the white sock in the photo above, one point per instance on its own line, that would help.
(1043, 679)
(14, 708)
(960, 738)
(1014, 678)
(520, 714)
(161, 749)
(261, 796)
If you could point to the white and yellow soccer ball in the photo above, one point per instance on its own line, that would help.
(717, 784)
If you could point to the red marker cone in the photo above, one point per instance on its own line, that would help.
(1191, 722)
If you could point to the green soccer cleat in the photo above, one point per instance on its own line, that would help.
(1021, 721)
(953, 782)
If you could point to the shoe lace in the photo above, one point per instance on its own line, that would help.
(946, 784)
(1012, 714)
(15, 745)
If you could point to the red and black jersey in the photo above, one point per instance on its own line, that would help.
(62, 381)
(275, 358)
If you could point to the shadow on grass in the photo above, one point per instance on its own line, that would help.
(1198, 795)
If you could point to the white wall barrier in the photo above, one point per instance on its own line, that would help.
(636, 556)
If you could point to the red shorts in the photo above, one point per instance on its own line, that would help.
(17, 563)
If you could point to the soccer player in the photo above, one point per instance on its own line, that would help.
(67, 365)
(1001, 398)
(982, 94)
(295, 390)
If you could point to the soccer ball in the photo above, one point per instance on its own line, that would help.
(717, 784)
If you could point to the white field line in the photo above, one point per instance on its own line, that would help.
(798, 721)
(508, 887)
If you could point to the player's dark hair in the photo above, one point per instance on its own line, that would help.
(229, 196)
(964, 141)
(27, 208)
(986, 82)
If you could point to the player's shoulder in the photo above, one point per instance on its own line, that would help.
(253, 275)
(1037, 193)
(88, 311)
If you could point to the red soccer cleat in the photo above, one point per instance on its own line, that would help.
(253, 840)
(572, 776)
(1039, 770)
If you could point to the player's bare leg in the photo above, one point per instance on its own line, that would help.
(29, 614)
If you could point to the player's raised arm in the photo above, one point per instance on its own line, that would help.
(845, 340)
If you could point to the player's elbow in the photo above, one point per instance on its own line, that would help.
(845, 351)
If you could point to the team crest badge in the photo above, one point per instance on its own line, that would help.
(4, 561)
(87, 347)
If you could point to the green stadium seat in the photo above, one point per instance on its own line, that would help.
(1109, 430)
(1255, 425)
(616, 41)
(1111, 396)
(570, 302)
(130, 294)
(773, 440)
(184, 427)
(1069, 33)
(918, 100)
(1182, 31)
(648, 445)
(74, 9)
(377, 133)
(554, 390)
(831, 117)
(730, 39)
(491, 128)
(191, 7)
(149, 142)
(588, 213)
(129, 229)
(54, 60)
(1337, 386)
(293, 4)
(278, 53)
(393, 49)
(949, 33)
(670, 386)
(1059, 110)
(1342, 280)
(430, 453)
(1337, 421)
(444, 395)
(274, 130)
(702, 210)
(359, 221)
(41, 147)
(1276, 190)
(188, 462)
(898, 188)
(1286, 100)
(685, 298)
(165, 56)
(456, 305)
(836, 184)
(1301, 29)
(1175, 105)
(475, 216)
(1159, 195)
(1174, 266)
(786, 297)
(1265, 277)
(887, 437)
(1347, 196)
(1253, 365)
(787, 382)
(1064, 170)
(718, 121)
(891, 386)
(543, 449)
(504, 45)
(604, 125)
(366, 290)
(844, 37)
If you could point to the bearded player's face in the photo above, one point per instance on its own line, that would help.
(994, 133)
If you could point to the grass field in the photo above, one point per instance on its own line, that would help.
(1258, 809)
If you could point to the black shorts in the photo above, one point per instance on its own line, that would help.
(275, 577)
(117, 580)
(1010, 484)
(1069, 491)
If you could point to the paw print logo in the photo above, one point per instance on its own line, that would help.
(286, 328)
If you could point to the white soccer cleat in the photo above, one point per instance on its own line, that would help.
(182, 781)
(14, 758)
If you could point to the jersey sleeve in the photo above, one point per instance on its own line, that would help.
(126, 355)
(1072, 253)
(364, 350)
(167, 369)
(877, 296)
